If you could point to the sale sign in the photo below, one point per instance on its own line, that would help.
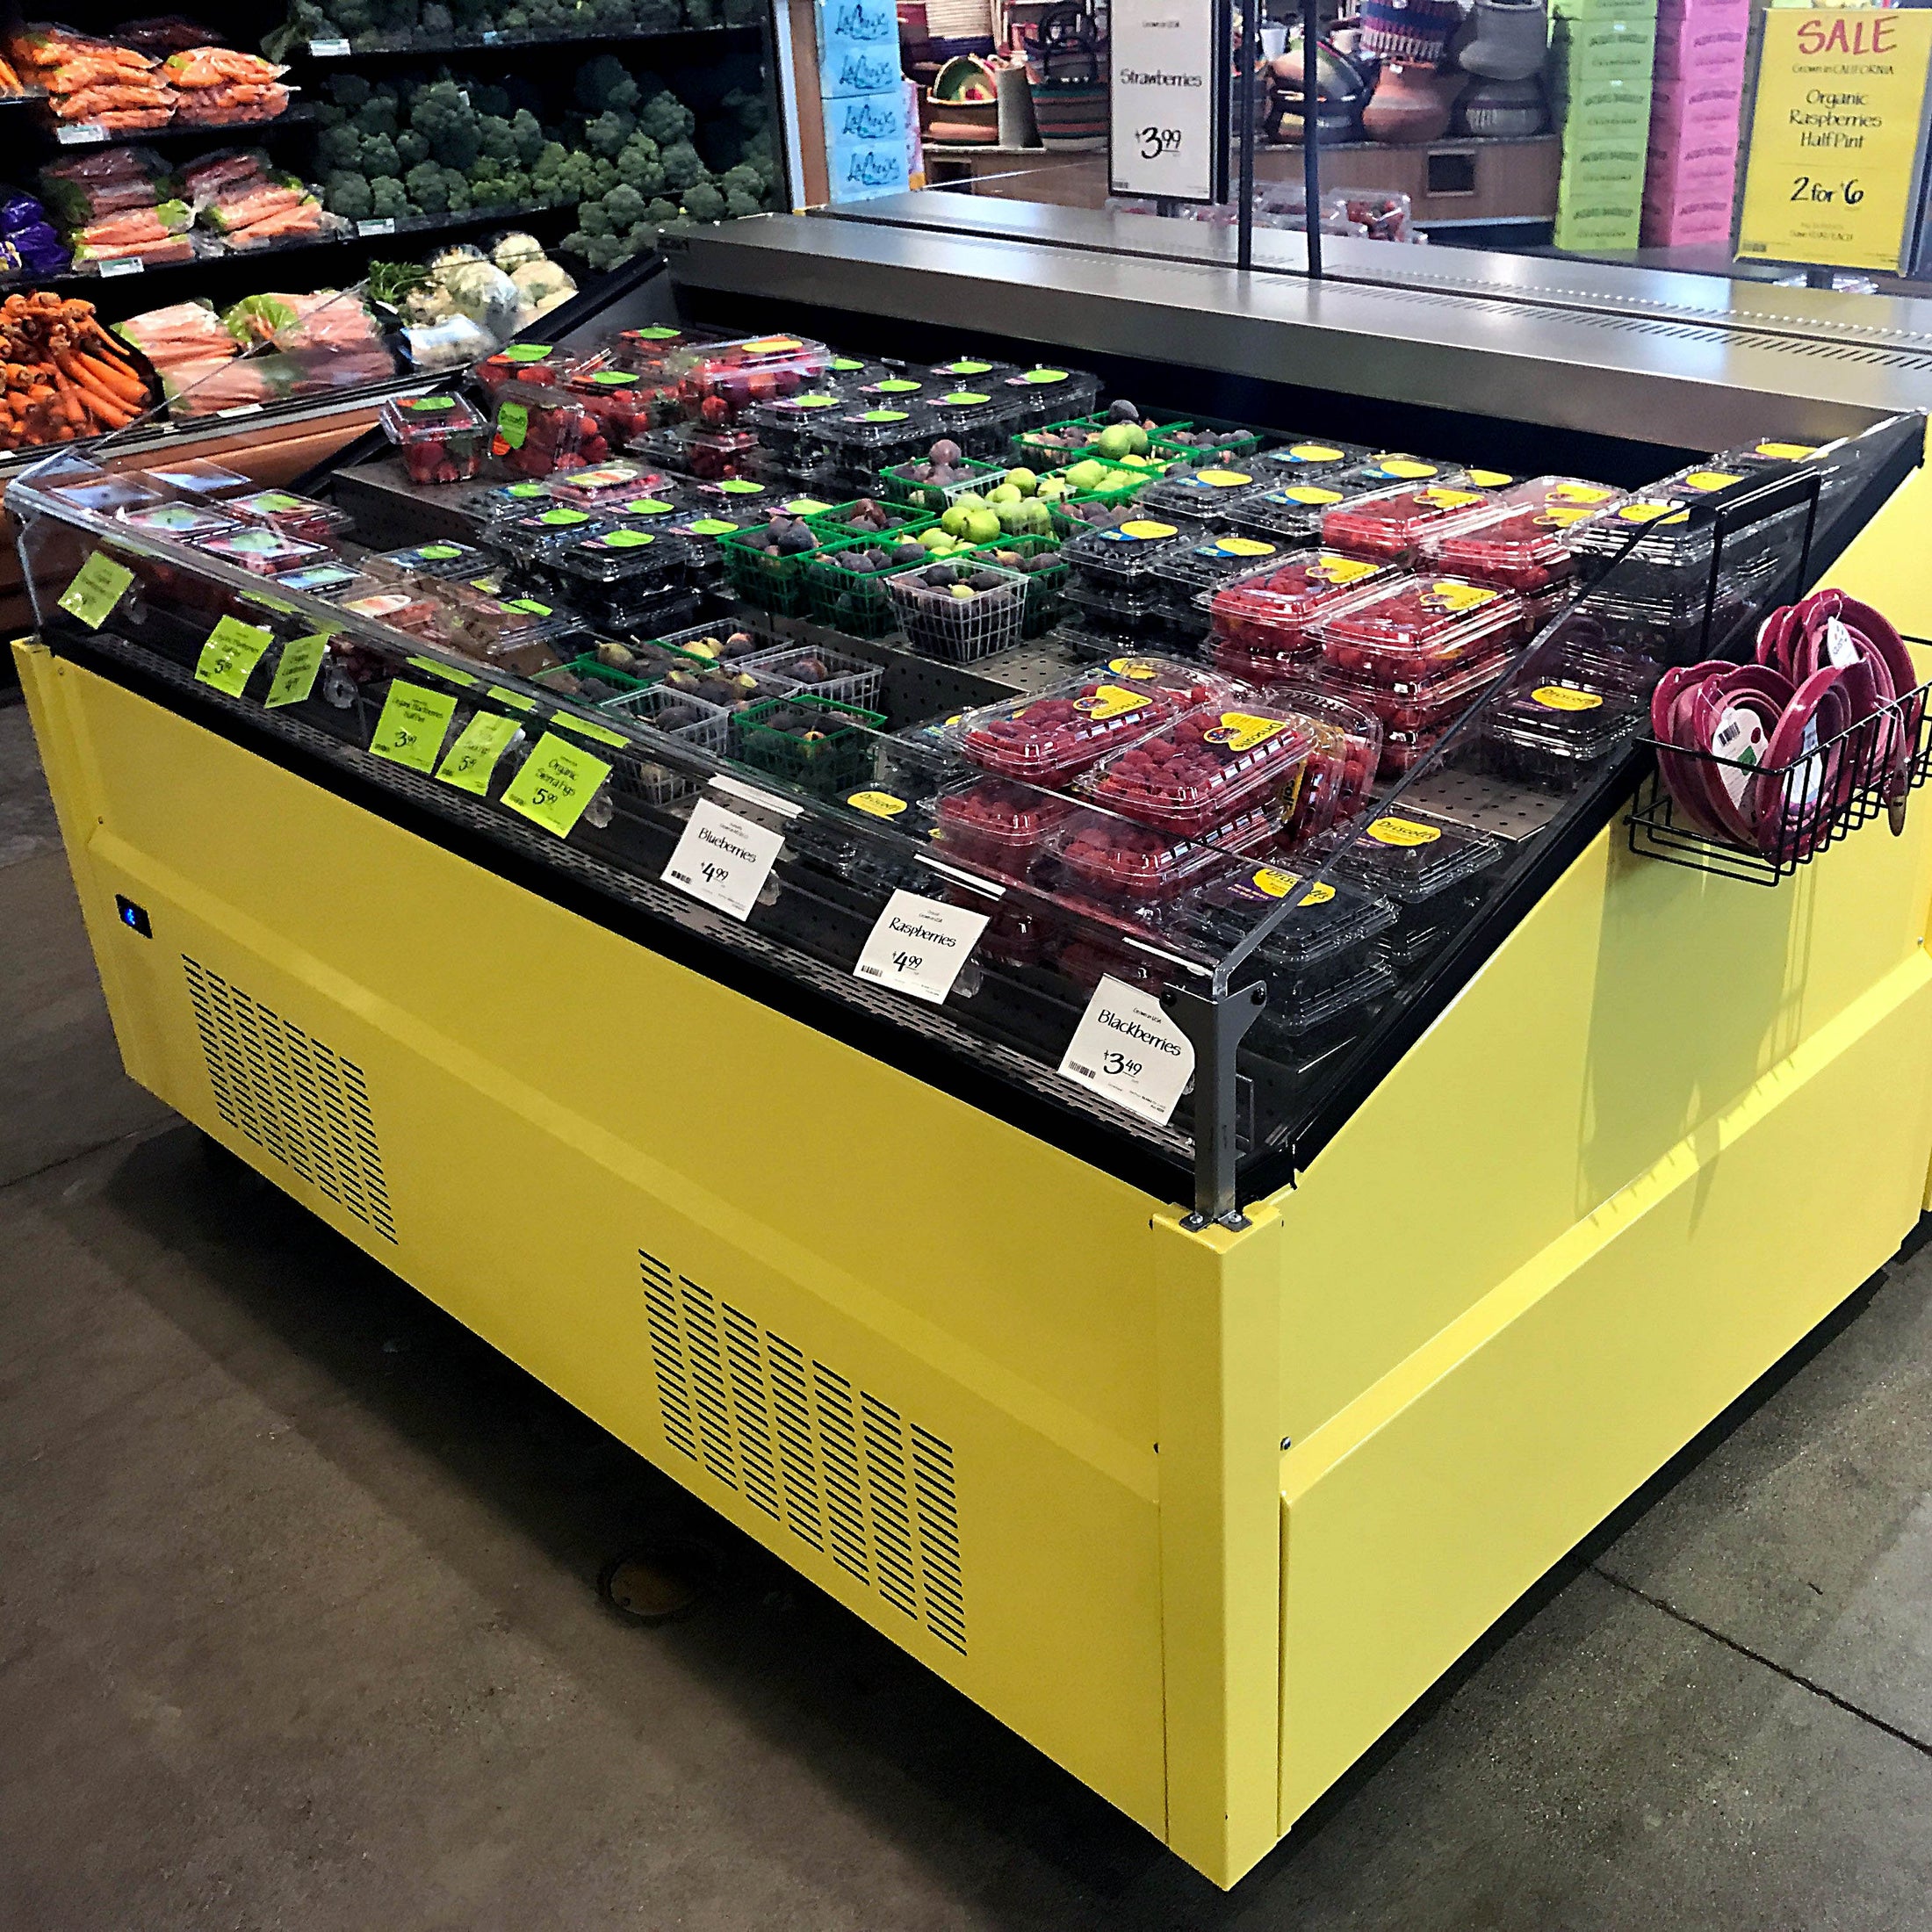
(1838, 138)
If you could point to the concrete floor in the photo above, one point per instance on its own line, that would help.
(298, 1623)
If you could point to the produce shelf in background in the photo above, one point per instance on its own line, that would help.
(422, 45)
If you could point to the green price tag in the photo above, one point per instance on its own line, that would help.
(559, 779)
(967, 399)
(100, 585)
(647, 505)
(584, 728)
(739, 486)
(659, 333)
(516, 700)
(433, 402)
(529, 606)
(411, 729)
(527, 352)
(845, 365)
(295, 675)
(525, 490)
(895, 385)
(710, 526)
(447, 673)
(439, 553)
(473, 757)
(613, 379)
(627, 539)
(807, 506)
(965, 369)
(1045, 376)
(233, 650)
(512, 425)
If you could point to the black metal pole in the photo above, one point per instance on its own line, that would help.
(1311, 159)
(1245, 108)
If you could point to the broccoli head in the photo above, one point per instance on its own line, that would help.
(499, 143)
(458, 190)
(662, 211)
(411, 148)
(428, 187)
(504, 191)
(377, 115)
(379, 157)
(607, 135)
(624, 206)
(703, 203)
(526, 133)
(682, 169)
(389, 196)
(306, 22)
(591, 218)
(487, 98)
(739, 203)
(612, 16)
(665, 119)
(453, 128)
(338, 148)
(604, 83)
(437, 18)
(349, 91)
(658, 16)
(642, 238)
(741, 180)
(638, 164)
(347, 194)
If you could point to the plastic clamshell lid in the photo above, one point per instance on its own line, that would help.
(1409, 856)
(410, 419)
(1566, 717)
(1523, 545)
(1309, 456)
(1392, 522)
(283, 510)
(196, 475)
(1203, 768)
(447, 559)
(1064, 730)
(1201, 567)
(182, 520)
(105, 493)
(1412, 626)
(603, 484)
(268, 552)
(1130, 547)
(1122, 859)
(1322, 919)
(1207, 492)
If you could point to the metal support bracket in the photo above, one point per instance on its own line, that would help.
(1215, 1029)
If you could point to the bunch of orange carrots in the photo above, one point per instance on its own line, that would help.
(61, 375)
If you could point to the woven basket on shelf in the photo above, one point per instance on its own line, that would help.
(1067, 70)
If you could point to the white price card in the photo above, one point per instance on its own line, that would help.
(1169, 124)
(1128, 1051)
(80, 133)
(329, 50)
(111, 265)
(382, 224)
(919, 945)
(723, 860)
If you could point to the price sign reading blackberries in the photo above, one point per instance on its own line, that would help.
(723, 860)
(1127, 1051)
(919, 945)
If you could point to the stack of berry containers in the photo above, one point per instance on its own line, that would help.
(1430, 867)
(1311, 459)
(1558, 722)
(660, 348)
(622, 404)
(1342, 768)
(302, 517)
(603, 486)
(980, 420)
(624, 578)
(1394, 524)
(1206, 769)
(1126, 866)
(1522, 541)
(969, 373)
(441, 438)
(1263, 625)
(540, 429)
(1048, 739)
(1189, 580)
(1110, 570)
(793, 432)
(1289, 514)
(724, 383)
(1043, 395)
(1415, 651)
(861, 445)
(997, 824)
(1210, 495)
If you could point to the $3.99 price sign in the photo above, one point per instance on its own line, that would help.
(1171, 65)
(1130, 1052)
(919, 945)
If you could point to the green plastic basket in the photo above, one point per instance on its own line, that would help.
(624, 683)
(832, 524)
(1029, 449)
(1231, 443)
(777, 584)
(836, 762)
(854, 602)
(934, 497)
(1043, 587)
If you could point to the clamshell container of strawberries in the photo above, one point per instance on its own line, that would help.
(727, 380)
(537, 430)
(1394, 523)
(1119, 861)
(623, 404)
(1409, 629)
(293, 516)
(537, 363)
(1050, 738)
(1205, 768)
(997, 823)
(1263, 624)
(443, 439)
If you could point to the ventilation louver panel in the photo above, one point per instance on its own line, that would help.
(838, 1467)
(297, 1099)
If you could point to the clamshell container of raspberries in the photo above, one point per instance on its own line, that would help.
(1410, 629)
(1263, 624)
(1049, 739)
(960, 610)
(727, 380)
(1211, 494)
(1393, 523)
(1205, 768)
(1550, 730)
(1523, 547)
(1341, 769)
(1044, 394)
(1413, 711)
(441, 438)
(1120, 862)
(997, 823)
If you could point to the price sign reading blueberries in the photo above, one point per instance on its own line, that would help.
(1172, 67)
(1130, 1052)
(919, 945)
(723, 860)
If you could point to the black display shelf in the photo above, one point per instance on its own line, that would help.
(300, 114)
(421, 46)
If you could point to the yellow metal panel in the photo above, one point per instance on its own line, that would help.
(1414, 1517)
(549, 1099)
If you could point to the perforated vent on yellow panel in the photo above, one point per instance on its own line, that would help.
(843, 1470)
(298, 1100)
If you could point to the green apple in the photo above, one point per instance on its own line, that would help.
(1023, 480)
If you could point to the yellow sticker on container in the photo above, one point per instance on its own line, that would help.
(1241, 731)
(584, 728)
(1133, 667)
(1221, 479)
(1309, 493)
(449, 673)
(1332, 568)
(1407, 469)
(413, 724)
(1647, 512)
(232, 650)
(295, 675)
(473, 757)
(773, 345)
(1315, 452)
(1560, 697)
(1460, 597)
(557, 782)
(1278, 885)
(516, 700)
(1244, 546)
(881, 805)
(1491, 479)
(1110, 700)
(1404, 832)
(1448, 499)
(98, 586)
(1580, 493)
(1711, 479)
(1142, 531)
(1787, 452)
(1561, 516)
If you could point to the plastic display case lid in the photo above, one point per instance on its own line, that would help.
(1409, 856)
(196, 475)
(1202, 769)
(411, 419)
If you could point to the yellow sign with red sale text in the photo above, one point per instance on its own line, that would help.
(1837, 139)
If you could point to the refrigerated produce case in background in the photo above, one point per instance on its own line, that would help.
(1194, 1442)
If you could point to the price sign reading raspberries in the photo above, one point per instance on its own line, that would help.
(1130, 1052)
(919, 945)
